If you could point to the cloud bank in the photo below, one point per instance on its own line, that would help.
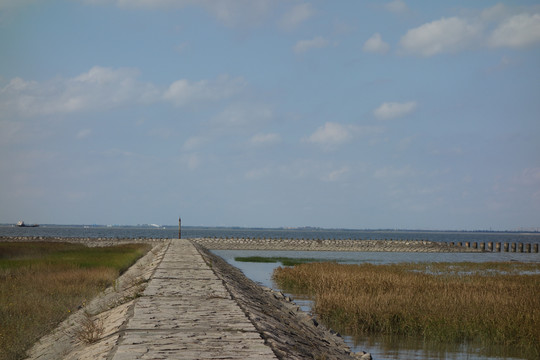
(105, 88)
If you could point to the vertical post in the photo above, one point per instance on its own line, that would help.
(179, 228)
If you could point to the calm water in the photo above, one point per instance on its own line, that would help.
(381, 348)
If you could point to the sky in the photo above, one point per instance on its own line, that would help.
(271, 113)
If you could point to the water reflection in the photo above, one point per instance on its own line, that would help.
(384, 347)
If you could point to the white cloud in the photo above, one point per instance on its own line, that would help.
(264, 139)
(194, 142)
(396, 6)
(105, 88)
(392, 110)
(331, 134)
(529, 176)
(192, 161)
(494, 13)
(100, 88)
(496, 26)
(335, 175)
(517, 31)
(315, 43)
(446, 35)
(184, 92)
(296, 15)
(375, 44)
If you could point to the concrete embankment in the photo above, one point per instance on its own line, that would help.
(182, 302)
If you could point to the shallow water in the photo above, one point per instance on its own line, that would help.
(383, 348)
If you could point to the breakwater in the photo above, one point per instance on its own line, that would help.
(499, 246)
(330, 245)
(251, 243)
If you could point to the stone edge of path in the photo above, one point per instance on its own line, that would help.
(289, 331)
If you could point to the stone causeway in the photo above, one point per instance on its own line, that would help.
(186, 312)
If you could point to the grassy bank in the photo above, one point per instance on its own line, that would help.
(42, 283)
(488, 303)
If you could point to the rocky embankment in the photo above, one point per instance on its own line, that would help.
(329, 245)
(291, 332)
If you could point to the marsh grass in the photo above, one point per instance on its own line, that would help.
(41, 284)
(285, 261)
(486, 303)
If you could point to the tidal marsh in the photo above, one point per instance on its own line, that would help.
(486, 303)
(42, 283)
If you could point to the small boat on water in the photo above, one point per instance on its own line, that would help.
(22, 224)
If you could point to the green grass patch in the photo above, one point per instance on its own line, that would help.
(42, 283)
(285, 261)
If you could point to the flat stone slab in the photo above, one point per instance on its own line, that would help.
(193, 345)
(182, 313)
(193, 288)
(186, 312)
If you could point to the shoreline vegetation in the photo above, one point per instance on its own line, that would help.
(42, 283)
(492, 304)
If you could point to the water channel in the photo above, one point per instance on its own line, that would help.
(384, 348)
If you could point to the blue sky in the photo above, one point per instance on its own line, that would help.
(353, 114)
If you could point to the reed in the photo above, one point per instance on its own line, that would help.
(41, 284)
(487, 303)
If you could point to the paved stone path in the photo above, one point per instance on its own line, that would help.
(187, 313)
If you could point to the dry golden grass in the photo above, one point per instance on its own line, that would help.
(441, 302)
(39, 289)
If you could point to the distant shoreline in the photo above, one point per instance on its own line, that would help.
(302, 228)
